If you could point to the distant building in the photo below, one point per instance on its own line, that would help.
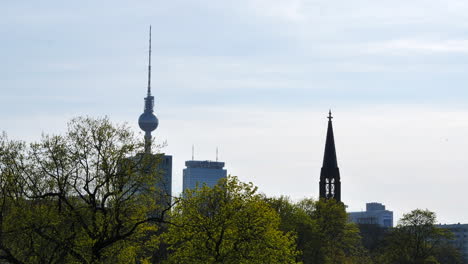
(375, 214)
(161, 166)
(202, 172)
(460, 242)
(165, 167)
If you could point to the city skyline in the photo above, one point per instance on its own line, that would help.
(258, 84)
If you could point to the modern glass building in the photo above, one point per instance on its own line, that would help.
(202, 172)
(165, 170)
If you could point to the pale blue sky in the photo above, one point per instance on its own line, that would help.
(256, 78)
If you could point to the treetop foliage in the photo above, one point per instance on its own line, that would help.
(78, 197)
(229, 223)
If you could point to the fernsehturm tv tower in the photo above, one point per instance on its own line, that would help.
(148, 122)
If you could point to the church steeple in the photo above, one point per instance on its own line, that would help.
(148, 122)
(330, 185)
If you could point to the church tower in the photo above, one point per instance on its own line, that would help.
(330, 185)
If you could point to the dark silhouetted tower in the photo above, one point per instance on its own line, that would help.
(330, 185)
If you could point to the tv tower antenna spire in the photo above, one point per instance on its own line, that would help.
(149, 64)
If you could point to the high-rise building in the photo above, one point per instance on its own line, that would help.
(202, 172)
(148, 122)
(165, 170)
(330, 184)
(375, 214)
(460, 239)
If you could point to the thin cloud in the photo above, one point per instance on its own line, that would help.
(405, 46)
(291, 10)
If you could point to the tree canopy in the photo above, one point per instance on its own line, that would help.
(416, 240)
(80, 197)
(324, 234)
(229, 223)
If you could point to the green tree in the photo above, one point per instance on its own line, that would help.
(229, 223)
(322, 230)
(340, 241)
(295, 219)
(84, 197)
(373, 237)
(11, 153)
(416, 240)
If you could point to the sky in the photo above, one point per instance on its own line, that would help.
(256, 79)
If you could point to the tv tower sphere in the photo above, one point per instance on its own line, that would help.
(148, 121)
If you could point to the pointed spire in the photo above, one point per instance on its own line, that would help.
(330, 183)
(149, 64)
(329, 158)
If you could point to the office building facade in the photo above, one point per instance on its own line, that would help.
(165, 170)
(202, 172)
